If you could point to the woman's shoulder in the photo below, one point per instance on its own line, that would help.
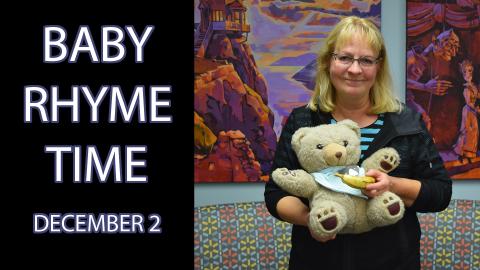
(406, 119)
(406, 112)
(301, 110)
(298, 117)
(303, 116)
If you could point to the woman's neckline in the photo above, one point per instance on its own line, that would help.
(361, 125)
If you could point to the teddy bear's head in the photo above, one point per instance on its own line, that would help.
(325, 146)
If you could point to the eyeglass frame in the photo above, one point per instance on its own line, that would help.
(353, 59)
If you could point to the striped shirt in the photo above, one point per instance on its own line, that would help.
(368, 133)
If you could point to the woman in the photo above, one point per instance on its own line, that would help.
(353, 82)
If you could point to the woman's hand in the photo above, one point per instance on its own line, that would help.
(382, 184)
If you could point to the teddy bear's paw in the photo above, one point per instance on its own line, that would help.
(297, 182)
(286, 174)
(389, 162)
(385, 209)
(385, 160)
(327, 219)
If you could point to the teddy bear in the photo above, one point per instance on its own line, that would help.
(331, 212)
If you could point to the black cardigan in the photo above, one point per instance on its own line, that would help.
(391, 247)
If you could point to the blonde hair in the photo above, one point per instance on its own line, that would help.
(381, 94)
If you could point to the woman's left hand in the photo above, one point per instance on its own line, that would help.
(382, 184)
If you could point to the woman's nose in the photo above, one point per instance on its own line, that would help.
(355, 68)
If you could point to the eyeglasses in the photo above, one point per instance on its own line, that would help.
(363, 61)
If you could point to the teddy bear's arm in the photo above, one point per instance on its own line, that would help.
(385, 160)
(297, 182)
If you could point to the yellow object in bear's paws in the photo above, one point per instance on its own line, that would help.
(356, 181)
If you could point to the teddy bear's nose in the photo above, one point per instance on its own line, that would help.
(338, 154)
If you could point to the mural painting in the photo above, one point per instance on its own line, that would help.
(254, 62)
(443, 61)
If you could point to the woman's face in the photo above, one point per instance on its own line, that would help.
(467, 73)
(353, 81)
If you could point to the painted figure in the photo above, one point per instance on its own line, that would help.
(445, 47)
(467, 143)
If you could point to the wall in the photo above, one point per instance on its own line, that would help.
(393, 29)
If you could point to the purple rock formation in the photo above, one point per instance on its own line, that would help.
(231, 160)
(226, 103)
(239, 53)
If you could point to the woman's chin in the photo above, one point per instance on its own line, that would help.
(355, 90)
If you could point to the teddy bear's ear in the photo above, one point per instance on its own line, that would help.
(297, 137)
(350, 124)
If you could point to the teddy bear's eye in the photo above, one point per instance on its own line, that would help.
(319, 146)
(345, 143)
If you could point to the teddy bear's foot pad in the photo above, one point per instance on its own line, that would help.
(327, 220)
(392, 204)
(393, 209)
(385, 209)
(330, 223)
